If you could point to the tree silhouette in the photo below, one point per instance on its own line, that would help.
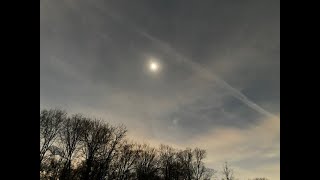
(50, 125)
(198, 165)
(147, 166)
(227, 172)
(80, 148)
(123, 164)
(95, 137)
(185, 158)
(167, 160)
(70, 137)
(108, 150)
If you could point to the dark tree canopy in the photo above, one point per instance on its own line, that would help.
(79, 148)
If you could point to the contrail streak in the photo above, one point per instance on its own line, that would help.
(206, 73)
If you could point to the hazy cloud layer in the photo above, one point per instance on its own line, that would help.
(93, 60)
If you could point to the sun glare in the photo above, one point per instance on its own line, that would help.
(154, 66)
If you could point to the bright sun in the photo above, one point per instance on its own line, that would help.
(154, 66)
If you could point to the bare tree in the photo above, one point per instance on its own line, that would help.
(52, 168)
(123, 163)
(109, 149)
(70, 138)
(227, 172)
(50, 125)
(146, 165)
(185, 158)
(209, 173)
(77, 148)
(198, 165)
(166, 157)
(94, 136)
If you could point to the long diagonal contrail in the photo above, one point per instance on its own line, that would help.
(206, 73)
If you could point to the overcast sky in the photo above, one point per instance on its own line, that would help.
(218, 86)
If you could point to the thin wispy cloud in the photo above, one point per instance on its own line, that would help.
(213, 78)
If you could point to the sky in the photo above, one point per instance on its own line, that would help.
(217, 86)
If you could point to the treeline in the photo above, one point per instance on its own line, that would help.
(80, 148)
